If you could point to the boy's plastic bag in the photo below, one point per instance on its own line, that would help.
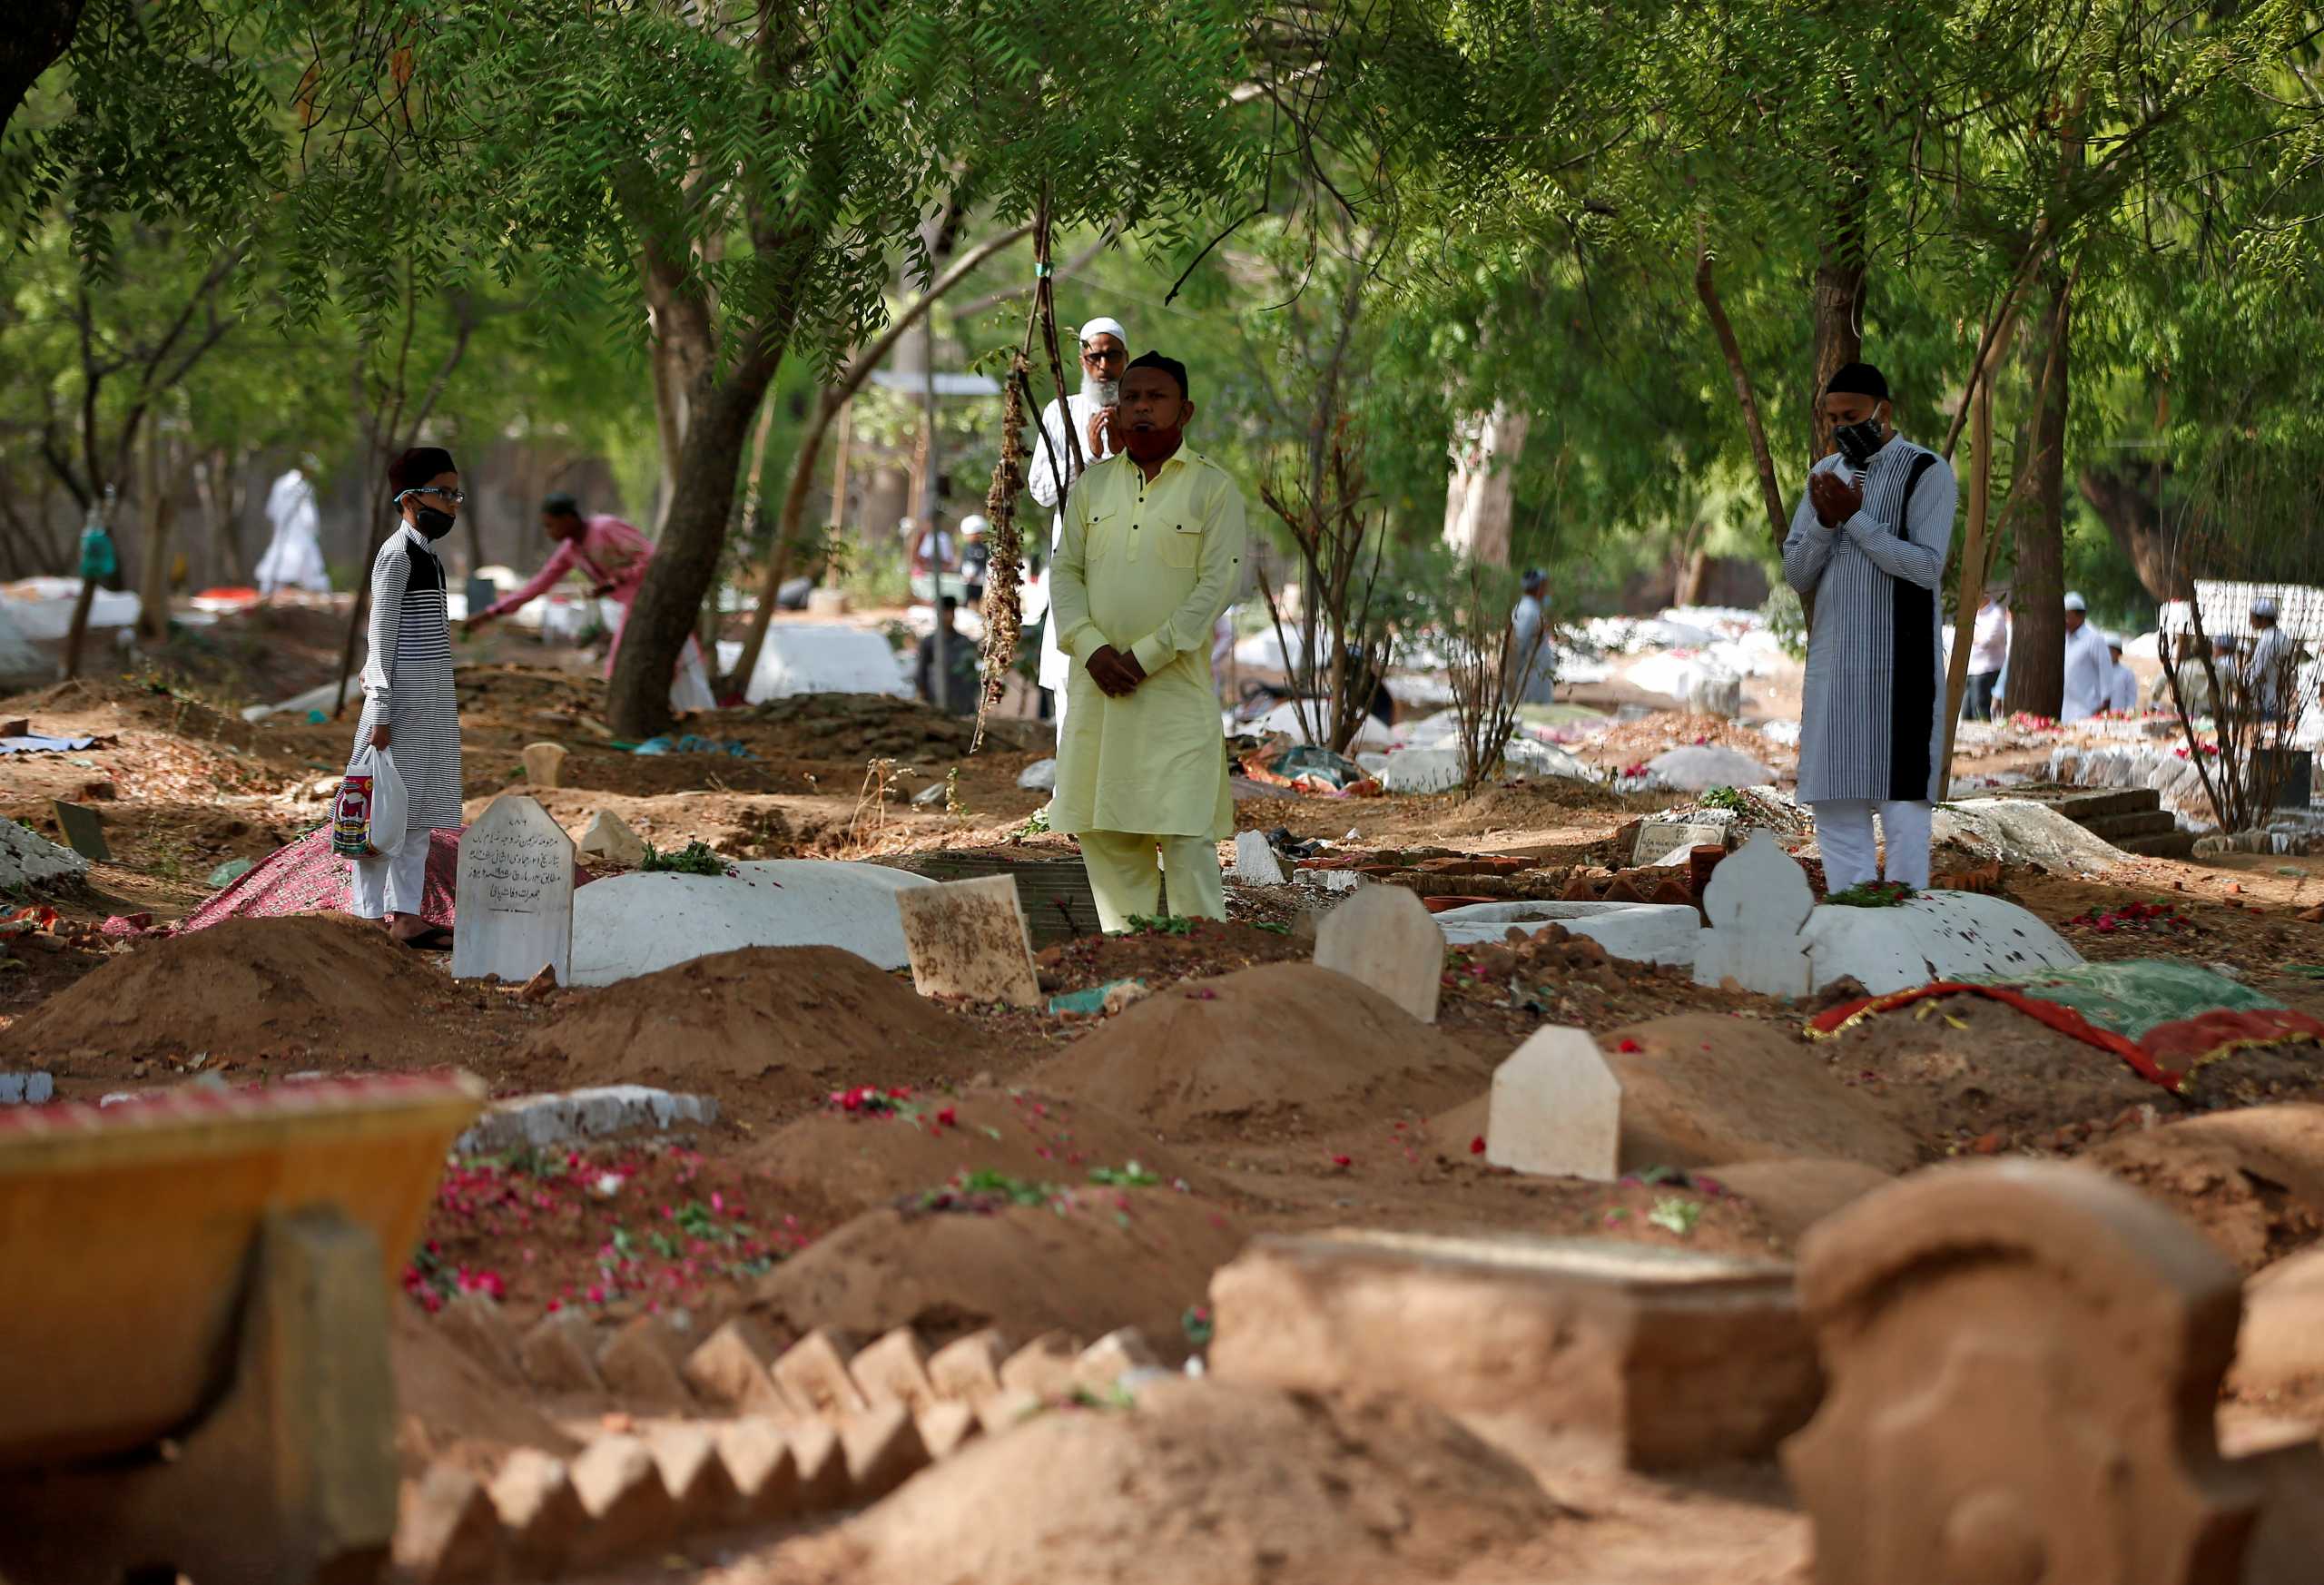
(367, 819)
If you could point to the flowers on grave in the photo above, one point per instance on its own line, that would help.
(870, 1100)
(2156, 917)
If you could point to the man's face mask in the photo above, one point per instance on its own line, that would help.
(432, 523)
(1859, 441)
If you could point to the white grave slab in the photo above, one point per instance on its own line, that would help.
(1255, 862)
(1421, 770)
(969, 939)
(1643, 932)
(1696, 767)
(1556, 1109)
(1939, 935)
(1759, 900)
(1385, 937)
(1527, 756)
(629, 925)
(513, 905)
(26, 856)
(825, 657)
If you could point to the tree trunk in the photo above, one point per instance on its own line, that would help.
(702, 501)
(1762, 459)
(1480, 498)
(2037, 631)
(1694, 571)
(154, 581)
(2134, 517)
(1839, 312)
(38, 33)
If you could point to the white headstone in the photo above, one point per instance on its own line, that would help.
(1556, 1109)
(1385, 938)
(513, 912)
(610, 839)
(629, 925)
(1939, 935)
(1758, 900)
(969, 939)
(1255, 862)
(543, 764)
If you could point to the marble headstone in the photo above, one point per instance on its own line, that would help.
(1556, 1109)
(1385, 938)
(513, 908)
(1758, 900)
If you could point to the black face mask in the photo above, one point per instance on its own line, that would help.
(1858, 441)
(432, 523)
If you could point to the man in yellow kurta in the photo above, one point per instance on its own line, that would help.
(1151, 553)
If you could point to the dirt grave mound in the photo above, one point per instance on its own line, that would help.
(1084, 1262)
(1202, 1482)
(857, 1162)
(2250, 1181)
(1288, 1045)
(448, 1406)
(765, 1029)
(325, 987)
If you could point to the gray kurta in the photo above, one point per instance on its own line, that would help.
(1871, 715)
(408, 679)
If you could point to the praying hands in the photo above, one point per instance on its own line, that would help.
(1836, 499)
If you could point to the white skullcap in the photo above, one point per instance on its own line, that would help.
(1102, 326)
(2074, 603)
(2114, 640)
(2263, 606)
(972, 525)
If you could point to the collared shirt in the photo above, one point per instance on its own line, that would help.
(1989, 643)
(2088, 672)
(607, 551)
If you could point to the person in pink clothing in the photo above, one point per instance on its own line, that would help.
(611, 557)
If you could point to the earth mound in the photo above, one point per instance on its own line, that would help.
(448, 1406)
(2250, 1181)
(1228, 1485)
(765, 1029)
(324, 984)
(1287, 1044)
(857, 1162)
(1085, 1261)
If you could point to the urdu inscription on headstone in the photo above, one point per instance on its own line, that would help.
(514, 909)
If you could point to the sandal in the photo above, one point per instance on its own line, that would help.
(434, 938)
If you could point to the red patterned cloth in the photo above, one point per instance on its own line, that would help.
(307, 877)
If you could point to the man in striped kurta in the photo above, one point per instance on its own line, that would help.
(1867, 547)
(408, 706)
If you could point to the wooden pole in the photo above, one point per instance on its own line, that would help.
(1975, 558)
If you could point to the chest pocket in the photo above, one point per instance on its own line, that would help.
(1101, 539)
(1181, 545)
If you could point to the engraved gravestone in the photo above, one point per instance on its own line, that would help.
(514, 909)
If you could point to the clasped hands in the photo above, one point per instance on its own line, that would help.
(1115, 673)
(1836, 500)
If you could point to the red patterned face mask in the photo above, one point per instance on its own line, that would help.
(1154, 445)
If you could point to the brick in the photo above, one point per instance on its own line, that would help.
(1663, 1358)
(966, 1369)
(757, 1454)
(1043, 1367)
(630, 1510)
(700, 1489)
(731, 1368)
(883, 1450)
(640, 1361)
(821, 1465)
(945, 1428)
(813, 1374)
(1099, 1367)
(894, 1370)
(541, 1515)
(447, 1531)
(477, 1323)
(559, 1354)
(1007, 1409)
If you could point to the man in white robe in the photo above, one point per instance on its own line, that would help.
(1051, 469)
(2267, 662)
(2122, 682)
(294, 556)
(2088, 668)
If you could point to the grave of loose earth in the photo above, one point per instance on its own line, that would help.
(514, 902)
(1385, 937)
(654, 920)
(1556, 1109)
(969, 939)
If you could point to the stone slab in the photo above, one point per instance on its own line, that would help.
(1256, 864)
(1659, 1357)
(1556, 1109)
(609, 840)
(1939, 935)
(515, 894)
(1642, 932)
(628, 925)
(1385, 937)
(1757, 902)
(969, 939)
(539, 1121)
(84, 829)
(543, 764)
(27, 858)
(26, 1089)
(1669, 841)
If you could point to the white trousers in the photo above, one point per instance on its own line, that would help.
(1056, 709)
(392, 884)
(1843, 835)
